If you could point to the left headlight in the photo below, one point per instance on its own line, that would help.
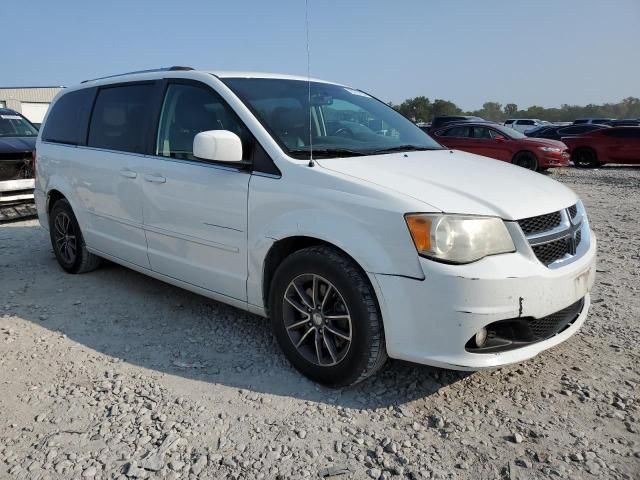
(458, 238)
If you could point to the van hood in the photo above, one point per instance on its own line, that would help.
(452, 181)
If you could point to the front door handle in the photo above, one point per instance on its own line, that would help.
(155, 179)
(128, 173)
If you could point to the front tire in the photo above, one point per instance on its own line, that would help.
(326, 318)
(585, 158)
(67, 240)
(526, 160)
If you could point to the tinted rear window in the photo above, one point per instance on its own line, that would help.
(120, 118)
(67, 121)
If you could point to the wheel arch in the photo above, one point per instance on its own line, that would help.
(523, 151)
(287, 246)
(579, 148)
(52, 197)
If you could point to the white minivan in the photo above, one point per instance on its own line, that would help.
(278, 195)
(524, 124)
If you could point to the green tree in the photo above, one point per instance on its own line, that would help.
(490, 111)
(510, 109)
(417, 109)
(444, 107)
(420, 109)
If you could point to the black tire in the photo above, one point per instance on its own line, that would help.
(67, 240)
(365, 353)
(585, 158)
(526, 160)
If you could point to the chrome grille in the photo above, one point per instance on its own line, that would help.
(573, 211)
(554, 236)
(541, 223)
(548, 253)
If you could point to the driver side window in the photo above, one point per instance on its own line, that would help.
(188, 110)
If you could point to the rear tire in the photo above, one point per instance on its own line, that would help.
(67, 240)
(585, 158)
(526, 160)
(334, 337)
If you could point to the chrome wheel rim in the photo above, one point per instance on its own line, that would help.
(65, 237)
(317, 320)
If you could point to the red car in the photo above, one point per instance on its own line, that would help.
(611, 145)
(503, 143)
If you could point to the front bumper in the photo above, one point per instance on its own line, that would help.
(13, 191)
(430, 321)
(554, 160)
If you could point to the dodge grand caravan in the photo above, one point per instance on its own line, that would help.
(321, 208)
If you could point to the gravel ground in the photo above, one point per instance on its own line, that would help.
(115, 375)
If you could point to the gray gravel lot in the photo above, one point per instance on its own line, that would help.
(115, 375)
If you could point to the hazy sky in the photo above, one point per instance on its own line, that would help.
(543, 52)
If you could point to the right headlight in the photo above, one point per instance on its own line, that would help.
(458, 238)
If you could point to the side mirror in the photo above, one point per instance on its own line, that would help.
(499, 138)
(218, 145)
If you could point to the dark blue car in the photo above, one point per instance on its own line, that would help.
(17, 142)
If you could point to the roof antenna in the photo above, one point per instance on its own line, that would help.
(306, 18)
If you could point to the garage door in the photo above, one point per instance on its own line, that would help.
(34, 111)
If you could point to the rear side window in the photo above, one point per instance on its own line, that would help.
(508, 122)
(120, 118)
(67, 121)
(526, 122)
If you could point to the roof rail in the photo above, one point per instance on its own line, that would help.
(163, 69)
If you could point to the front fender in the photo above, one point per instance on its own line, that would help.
(365, 227)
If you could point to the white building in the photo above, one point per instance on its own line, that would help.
(32, 102)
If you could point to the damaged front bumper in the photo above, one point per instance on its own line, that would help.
(16, 178)
(434, 321)
(15, 191)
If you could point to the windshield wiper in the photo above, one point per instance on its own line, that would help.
(402, 148)
(328, 152)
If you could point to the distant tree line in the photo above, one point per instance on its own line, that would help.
(421, 109)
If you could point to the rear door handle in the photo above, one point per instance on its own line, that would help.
(128, 173)
(155, 179)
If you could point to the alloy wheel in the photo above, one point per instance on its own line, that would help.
(65, 237)
(317, 320)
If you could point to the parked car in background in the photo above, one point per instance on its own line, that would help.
(504, 143)
(17, 142)
(524, 124)
(625, 122)
(443, 120)
(606, 145)
(345, 238)
(553, 132)
(600, 120)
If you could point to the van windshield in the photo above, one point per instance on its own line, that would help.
(337, 122)
(13, 125)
